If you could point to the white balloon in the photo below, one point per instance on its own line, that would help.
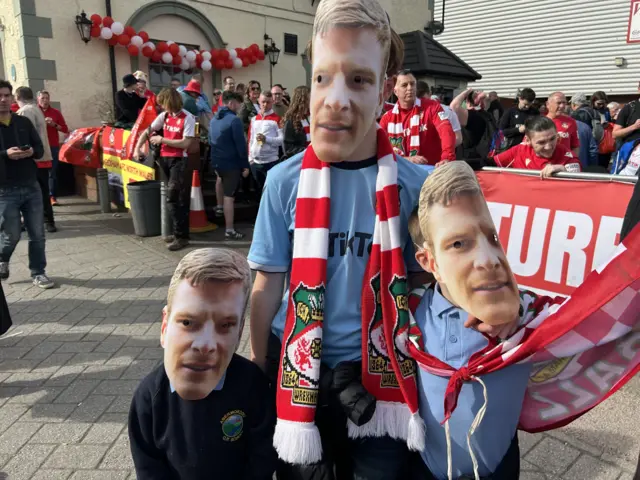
(106, 33)
(183, 50)
(206, 65)
(192, 64)
(184, 65)
(237, 63)
(170, 42)
(136, 40)
(151, 45)
(167, 57)
(117, 28)
(206, 55)
(190, 56)
(232, 53)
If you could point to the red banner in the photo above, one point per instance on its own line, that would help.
(82, 148)
(555, 231)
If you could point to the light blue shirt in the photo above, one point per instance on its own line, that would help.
(353, 186)
(218, 387)
(446, 338)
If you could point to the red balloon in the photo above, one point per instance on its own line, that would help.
(177, 60)
(255, 48)
(96, 19)
(133, 50)
(199, 59)
(144, 35)
(162, 47)
(147, 51)
(156, 56)
(113, 41)
(174, 49)
(214, 55)
(219, 65)
(129, 30)
(124, 39)
(224, 54)
(240, 52)
(253, 59)
(107, 21)
(228, 64)
(245, 62)
(260, 55)
(95, 31)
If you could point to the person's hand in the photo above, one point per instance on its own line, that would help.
(156, 140)
(14, 153)
(442, 162)
(49, 121)
(136, 155)
(245, 172)
(636, 125)
(549, 170)
(521, 128)
(501, 331)
(418, 160)
(260, 137)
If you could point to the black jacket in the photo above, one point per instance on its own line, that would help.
(128, 106)
(295, 141)
(19, 132)
(228, 435)
(511, 121)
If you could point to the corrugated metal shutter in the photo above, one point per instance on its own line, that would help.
(547, 45)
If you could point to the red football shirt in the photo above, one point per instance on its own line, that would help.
(523, 156)
(567, 132)
(437, 140)
(52, 132)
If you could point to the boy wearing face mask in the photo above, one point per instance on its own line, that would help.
(205, 411)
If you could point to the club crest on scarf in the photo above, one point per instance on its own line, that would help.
(301, 361)
(379, 361)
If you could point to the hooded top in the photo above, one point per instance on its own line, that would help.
(227, 142)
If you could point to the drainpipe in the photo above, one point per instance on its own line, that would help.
(112, 61)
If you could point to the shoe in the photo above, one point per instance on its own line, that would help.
(218, 211)
(43, 281)
(178, 244)
(233, 235)
(4, 270)
(51, 228)
(54, 202)
(169, 239)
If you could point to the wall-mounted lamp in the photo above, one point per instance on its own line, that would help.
(273, 53)
(84, 25)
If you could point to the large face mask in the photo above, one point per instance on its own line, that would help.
(469, 263)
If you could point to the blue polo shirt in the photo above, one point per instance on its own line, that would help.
(446, 338)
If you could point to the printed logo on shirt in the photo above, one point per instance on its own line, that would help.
(565, 125)
(563, 134)
(232, 425)
(444, 115)
(527, 162)
(568, 154)
(340, 243)
(550, 370)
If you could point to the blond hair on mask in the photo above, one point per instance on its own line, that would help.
(442, 186)
(211, 265)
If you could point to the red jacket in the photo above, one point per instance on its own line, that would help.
(523, 156)
(437, 140)
(52, 132)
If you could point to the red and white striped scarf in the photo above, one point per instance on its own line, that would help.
(584, 348)
(395, 130)
(389, 376)
(307, 130)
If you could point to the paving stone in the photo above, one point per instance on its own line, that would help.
(111, 344)
(120, 405)
(592, 468)
(52, 475)
(48, 412)
(9, 413)
(65, 432)
(18, 366)
(626, 476)
(103, 433)
(78, 347)
(76, 456)
(139, 369)
(91, 358)
(119, 457)
(25, 463)
(55, 361)
(117, 387)
(120, 418)
(552, 456)
(152, 353)
(104, 372)
(16, 436)
(91, 409)
(32, 395)
(527, 441)
(13, 353)
(27, 379)
(77, 391)
(99, 475)
(65, 375)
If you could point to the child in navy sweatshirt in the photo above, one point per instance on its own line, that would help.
(205, 413)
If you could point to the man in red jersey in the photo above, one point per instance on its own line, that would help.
(540, 150)
(419, 129)
(565, 125)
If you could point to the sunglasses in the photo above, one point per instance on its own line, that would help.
(217, 93)
(255, 89)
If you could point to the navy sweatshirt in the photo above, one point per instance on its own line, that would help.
(228, 435)
(229, 149)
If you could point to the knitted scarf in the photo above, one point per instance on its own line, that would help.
(387, 371)
(395, 130)
(584, 348)
(307, 130)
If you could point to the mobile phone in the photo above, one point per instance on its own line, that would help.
(24, 148)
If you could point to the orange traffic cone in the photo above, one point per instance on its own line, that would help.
(197, 218)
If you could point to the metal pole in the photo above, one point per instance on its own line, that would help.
(566, 175)
(167, 226)
(102, 179)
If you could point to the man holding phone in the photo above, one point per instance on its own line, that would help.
(20, 193)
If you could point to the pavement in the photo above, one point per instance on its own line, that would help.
(70, 363)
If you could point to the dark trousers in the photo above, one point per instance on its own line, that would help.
(25, 200)
(372, 458)
(43, 181)
(53, 173)
(509, 468)
(178, 194)
(259, 172)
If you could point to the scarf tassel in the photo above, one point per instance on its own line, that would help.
(393, 419)
(297, 443)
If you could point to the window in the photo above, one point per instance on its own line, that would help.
(161, 74)
(290, 43)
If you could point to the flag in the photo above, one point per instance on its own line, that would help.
(146, 117)
(82, 147)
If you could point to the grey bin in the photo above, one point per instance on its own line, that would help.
(144, 198)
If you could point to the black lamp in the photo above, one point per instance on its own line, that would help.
(273, 52)
(84, 25)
